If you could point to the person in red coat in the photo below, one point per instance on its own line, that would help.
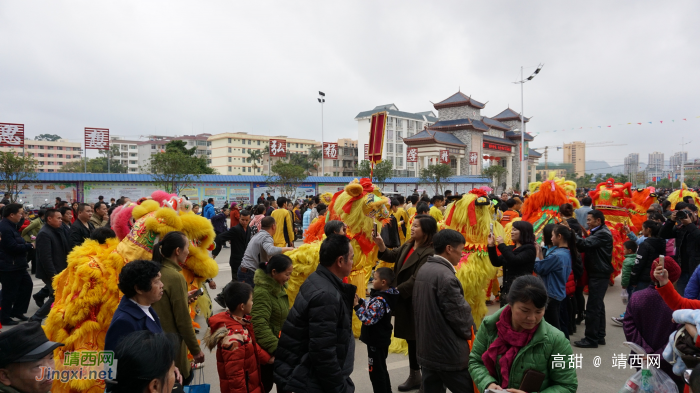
(238, 355)
(235, 214)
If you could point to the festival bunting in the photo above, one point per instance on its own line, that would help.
(635, 123)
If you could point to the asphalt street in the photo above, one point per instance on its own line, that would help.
(604, 378)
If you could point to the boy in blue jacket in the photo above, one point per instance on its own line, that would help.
(554, 269)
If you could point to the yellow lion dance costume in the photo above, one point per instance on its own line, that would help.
(359, 206)
(86, 292)
(678, 195)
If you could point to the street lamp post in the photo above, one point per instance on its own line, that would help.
(682, 160)
(523, 156)
(322, 100)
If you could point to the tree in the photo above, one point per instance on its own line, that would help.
(495, 173)
(315, 155)
(382, 171)
(98, 164)
(287, 177)
(16, 169)
(255, 157)
(47, 137)
(436, 174)
(177, 167)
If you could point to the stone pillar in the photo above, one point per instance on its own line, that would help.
(509, 171)
(533, 173)
(425, 162)
(459, 165)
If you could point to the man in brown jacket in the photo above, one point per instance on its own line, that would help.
(443, 318)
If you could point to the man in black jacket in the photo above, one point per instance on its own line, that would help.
(316, 347)
(16, 282)
(239, 236)
(82, 227)
(648, 251)
(51, 257)
(682, 226)
(443, 318)
(598, 247)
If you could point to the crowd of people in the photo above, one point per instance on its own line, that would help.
(261, 342)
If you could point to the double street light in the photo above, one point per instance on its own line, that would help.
(523, 154)
(322, 100)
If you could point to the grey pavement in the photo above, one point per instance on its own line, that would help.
(604, 378)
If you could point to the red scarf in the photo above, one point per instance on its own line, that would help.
(508, 343)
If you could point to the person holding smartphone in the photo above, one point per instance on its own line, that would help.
(682, 226)
(517, 260)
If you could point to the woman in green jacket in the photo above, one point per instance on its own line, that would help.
(516, 339)
(270, 307)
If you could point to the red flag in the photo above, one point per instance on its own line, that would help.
(376, 137)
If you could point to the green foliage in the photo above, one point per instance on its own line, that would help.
(382, 171)
(435, 174)
(98, 164)
(48, 137)
(15, 169)
(255, 157)
(287, 177)
(495, 173)
(177, 168)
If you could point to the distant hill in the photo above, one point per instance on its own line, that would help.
(602, 167)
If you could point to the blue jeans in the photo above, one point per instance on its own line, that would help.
(682, 283)
(247, 276)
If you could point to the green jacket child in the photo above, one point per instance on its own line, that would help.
(627, 268)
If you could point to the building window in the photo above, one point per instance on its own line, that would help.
(419, 126)
(41, 147)
(250, 169)
(389, 147)
(229, 169)
(229, 140)
(399, 123)
(229, 150)
(399, 161)
(335, 163)
(41, 154)
(50, 170)
(59, 155)
(132, 147)
(153, 147)
(50, 147)
(59, 147)
(201, 143)
(229, 159)
(399, 135)
(399, 147)
(389, 135)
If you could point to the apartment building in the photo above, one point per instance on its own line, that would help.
(51, 155)
(656, 161)
(575, 153)
(128, 153)
(677, 159)
(631, 166)
(156, 144)
(230, 152)
(346, 164)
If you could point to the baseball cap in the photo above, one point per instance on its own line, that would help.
(25, 343)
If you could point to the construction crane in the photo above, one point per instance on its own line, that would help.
(596, 144)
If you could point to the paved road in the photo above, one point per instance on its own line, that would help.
(591, 379)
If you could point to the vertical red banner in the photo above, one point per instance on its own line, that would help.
(12, 135)
(444, 156)
(412, 154)
(473, 158)
(366, 151)
(376, 137)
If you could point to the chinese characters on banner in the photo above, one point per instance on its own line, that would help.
(12, 135)
(366, 152)
(444, 156)
(278, 148)
(412, 154)
(330, 150)
(97, 138)
(473, 158)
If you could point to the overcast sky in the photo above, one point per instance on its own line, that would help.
(174, 67)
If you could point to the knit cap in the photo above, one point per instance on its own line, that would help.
(674, 271)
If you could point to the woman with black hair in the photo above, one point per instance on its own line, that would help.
(515, 340)
(140, 283)
(270, 307)
(172, 308)
(146, 364)
(408, 260)
(566, 213)
(517, 260)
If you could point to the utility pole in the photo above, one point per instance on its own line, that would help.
(682, 160)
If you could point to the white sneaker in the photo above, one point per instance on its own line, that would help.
(617, 321)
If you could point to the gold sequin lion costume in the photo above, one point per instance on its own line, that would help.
(678, 195)
(359, 206)
(86, 292)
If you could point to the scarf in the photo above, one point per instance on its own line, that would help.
(508, 343)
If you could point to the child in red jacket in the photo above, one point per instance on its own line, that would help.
(238, 356)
